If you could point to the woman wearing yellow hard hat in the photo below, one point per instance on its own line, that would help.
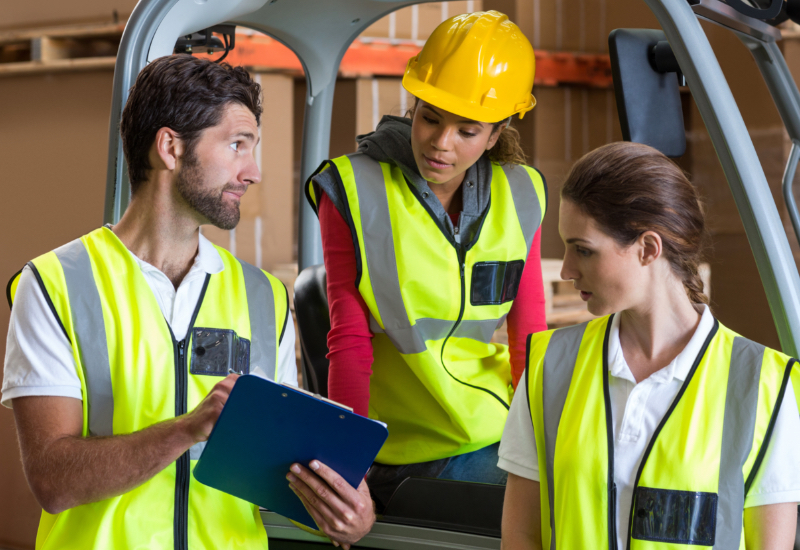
(430, 239)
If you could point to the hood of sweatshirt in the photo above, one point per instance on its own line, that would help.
(391, 143)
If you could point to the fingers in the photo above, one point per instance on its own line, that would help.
(312, 510)
(319, 518)
(222, 389)
(343, 489)
(341, 512)
(227, 383)
(320, 496)
(205, 415)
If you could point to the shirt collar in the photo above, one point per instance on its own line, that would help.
(207, 260)
(679, 367)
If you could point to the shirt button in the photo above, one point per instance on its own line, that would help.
(425, 195)
(470, 184)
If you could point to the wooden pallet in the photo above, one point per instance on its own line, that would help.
(54, 49)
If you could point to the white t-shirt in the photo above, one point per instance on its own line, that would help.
(39, 357)
(636, 411)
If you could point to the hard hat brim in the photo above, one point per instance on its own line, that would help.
(459, 106)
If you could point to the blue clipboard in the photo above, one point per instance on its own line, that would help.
(266, 427)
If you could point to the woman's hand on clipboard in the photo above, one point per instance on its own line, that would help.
(344, 514)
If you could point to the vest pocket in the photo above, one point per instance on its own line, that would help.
(495, 282)
(218, 352)
(681, 517)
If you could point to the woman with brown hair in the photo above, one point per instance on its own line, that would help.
(430, 240)
(653, 425)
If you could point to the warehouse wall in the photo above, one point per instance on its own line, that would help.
(17, 15)
(53, 150)
(53, 147)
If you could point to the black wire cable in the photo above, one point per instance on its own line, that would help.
(227, 49)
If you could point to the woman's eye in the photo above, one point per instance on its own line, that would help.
(583, 252)
(467, 134)
(429, 120)
(235, 146)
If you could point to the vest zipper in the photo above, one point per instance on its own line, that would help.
(180, 522)
(182, 465)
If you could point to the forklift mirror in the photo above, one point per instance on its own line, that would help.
(646, 89)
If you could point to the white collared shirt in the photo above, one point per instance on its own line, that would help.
(39, 357)
(636, 411)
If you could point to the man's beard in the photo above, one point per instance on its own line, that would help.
(209, 204)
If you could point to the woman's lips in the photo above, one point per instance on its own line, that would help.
(435, 163)
(585, 295)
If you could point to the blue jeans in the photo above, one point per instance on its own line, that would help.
(478, 466)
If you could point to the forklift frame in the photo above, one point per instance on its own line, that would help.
(320, 31)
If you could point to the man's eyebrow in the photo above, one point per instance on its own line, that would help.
(246, 135)
(576, 240)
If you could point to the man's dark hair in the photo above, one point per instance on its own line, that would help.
(185, 94)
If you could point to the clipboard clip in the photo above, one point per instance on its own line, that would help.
(318, 397)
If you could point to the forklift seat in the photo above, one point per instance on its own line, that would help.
(313, 325)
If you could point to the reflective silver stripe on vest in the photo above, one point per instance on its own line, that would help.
(382, 265)
(412, 339)
(263, 325)
(738, 428)
(526, 200)
(90, 335)
(559, 364)
(381, 259)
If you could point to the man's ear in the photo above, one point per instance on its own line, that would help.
(651, 247)
(169, 148)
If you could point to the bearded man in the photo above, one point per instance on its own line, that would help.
(114, 394)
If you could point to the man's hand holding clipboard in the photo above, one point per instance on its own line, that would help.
(344, 514)
(268, 434)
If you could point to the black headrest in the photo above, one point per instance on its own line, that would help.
(313, 325)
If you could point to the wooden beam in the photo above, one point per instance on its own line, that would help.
(60, 65)
(72, 31)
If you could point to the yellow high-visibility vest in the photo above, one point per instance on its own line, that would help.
(698, 466)
(438, 382)
(134, 373)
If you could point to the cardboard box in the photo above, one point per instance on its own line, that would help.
(417, 22)
(567, 123)
(575, 25)
(376, 97)
(20, 15)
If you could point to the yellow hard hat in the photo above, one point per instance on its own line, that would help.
(477, 65)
